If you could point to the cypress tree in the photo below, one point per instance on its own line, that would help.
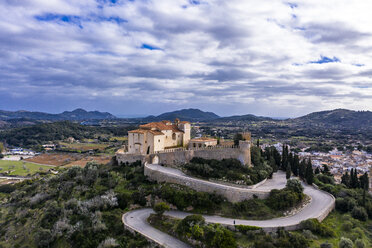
(302, 169)
(317, 171)
(325, 169)
(309, 174)
(288, 172)
(345, 179)
(296, 165)
(258, 142)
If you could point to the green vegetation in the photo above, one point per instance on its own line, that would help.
(230, 170)
(36, 135)
(203, 203)
(193, 230)
(21, 168)
(76, 208)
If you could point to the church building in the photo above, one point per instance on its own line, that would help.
(158, 136)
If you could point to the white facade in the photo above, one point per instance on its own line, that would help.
(157, 136)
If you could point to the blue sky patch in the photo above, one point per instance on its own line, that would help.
(194, 2)
(324, 60)
(149, 47)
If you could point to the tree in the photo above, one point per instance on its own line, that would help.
(258, 142)
(345, 179)
(325, 169)
(302, 169)
(354, 182)
(284, 157)
(160, 208)
(237, 137)
(317, 171)
(296, 164)
(309, 174)
(288, 172)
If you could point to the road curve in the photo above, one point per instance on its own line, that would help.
(321, 204)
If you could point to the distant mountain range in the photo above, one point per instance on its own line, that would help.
(337, 117)
(77, 114)
(185, 114)
(334, 118)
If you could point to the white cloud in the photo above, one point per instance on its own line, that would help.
(253, 56)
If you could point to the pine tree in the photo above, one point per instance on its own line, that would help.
(309, 174)
(288, 172)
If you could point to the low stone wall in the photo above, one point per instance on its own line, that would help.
(233, 194)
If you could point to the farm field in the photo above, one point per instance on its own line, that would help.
(82, 162)
(83, 146)
(55, 159)
(21, 168)
(68, 159)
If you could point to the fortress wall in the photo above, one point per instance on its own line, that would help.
(233, 194)
(182, 157)
(179, 157)
(130, 158)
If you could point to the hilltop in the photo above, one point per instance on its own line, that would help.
(77, 114)
(185, 114)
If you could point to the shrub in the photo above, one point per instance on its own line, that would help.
(326, 179)
(347, 226)
(245, 229)
(283, 199)
(7, 188)
(295, 186)
(316, 227)
(326, 245)
(345, 204)
(359, 243)
(345, 243)
(359, 213)
(160, 208)
(184, 225)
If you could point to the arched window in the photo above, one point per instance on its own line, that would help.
(174, 136)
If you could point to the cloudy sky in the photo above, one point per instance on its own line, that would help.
(273, 58)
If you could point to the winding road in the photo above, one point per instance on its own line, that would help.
(319, 207)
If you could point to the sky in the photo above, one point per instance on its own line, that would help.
(139, 57)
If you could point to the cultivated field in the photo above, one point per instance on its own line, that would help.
(83, 146)
(21, 168)
(82, 162)
(55, 159)
(68, 159)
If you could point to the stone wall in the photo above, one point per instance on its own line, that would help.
(182, 156)
(233, 194)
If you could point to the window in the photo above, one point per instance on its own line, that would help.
(174, 136)
(159, 141)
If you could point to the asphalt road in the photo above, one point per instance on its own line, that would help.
(320, 203)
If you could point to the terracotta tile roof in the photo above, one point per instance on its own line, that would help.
(154, 132)
(162, 125)
(184, 122)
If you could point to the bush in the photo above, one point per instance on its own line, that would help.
(359, 243)
(184, 226)
(345, 243)
(295, 186)
(316, 227)
(359, 213)
(160, 208)
(347, 226)
(7, 188)
(345, 204)
(326, 245)
(283, 199)
(245, 229)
